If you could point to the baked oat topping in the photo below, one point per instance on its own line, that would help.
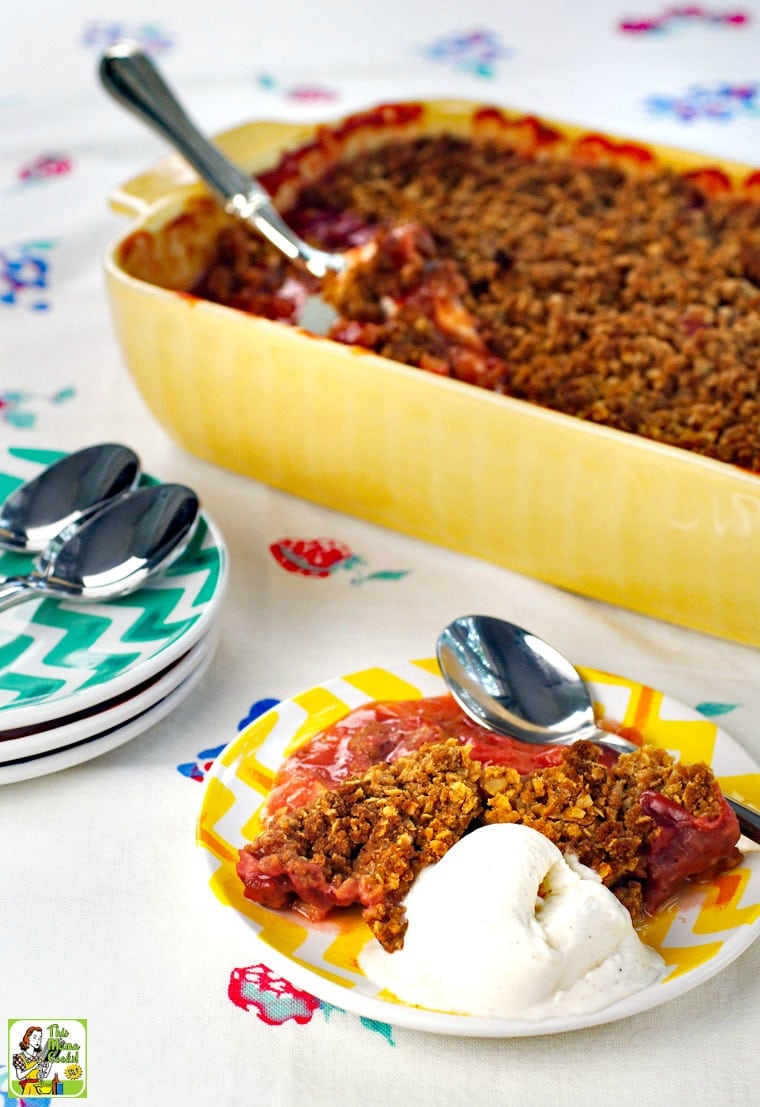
(624, 297)
(607, 816)
(365, 840)
(644, 823)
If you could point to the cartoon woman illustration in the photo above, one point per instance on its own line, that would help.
(31, 1063)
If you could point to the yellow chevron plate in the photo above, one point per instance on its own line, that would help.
(710, 926)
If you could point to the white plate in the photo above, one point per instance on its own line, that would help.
(96, 721)
(58, 658)
(79, 752)
(704, 931)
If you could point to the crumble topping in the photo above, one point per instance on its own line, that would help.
(595, 810)
(628, 298)
(366, 839)
(643, 824)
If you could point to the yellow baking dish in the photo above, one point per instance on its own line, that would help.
(597, 511)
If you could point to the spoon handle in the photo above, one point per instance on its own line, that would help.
(15, 590)
(130, 76)
(606, 738)
(749, 819)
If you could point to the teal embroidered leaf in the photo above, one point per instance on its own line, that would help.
(712, 710)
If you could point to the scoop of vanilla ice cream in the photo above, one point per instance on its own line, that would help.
(504, 927)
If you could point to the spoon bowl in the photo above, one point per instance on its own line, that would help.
(511, 682)
(61, 494)
(112, 551)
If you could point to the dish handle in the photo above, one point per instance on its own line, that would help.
(253, 146)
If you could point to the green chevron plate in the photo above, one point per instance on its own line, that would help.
(58, 657)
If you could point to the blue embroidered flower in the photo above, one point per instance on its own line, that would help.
(197, 770)
(102, 33)
(721, 103)
(25, 275)
(473, 51)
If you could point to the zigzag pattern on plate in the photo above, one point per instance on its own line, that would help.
(51, 649)
(698, 934)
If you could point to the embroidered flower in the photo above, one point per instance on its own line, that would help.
(721, 102)
(323, 557)
(197, 770)
(473, 51)
(25, 275)
(102, 33)
(16, 409)
(275, 1000)
(682, 15)
(45, 166)
(307, 93)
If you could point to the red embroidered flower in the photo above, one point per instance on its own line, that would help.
(313, 557)
(274, 999)
(46, 165)
(321, 557)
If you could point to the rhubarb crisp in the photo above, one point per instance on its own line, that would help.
(642, 821)
(366, 840)
(626, 296)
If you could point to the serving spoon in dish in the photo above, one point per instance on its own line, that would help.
(35, 512)
(512, 682)
(133, 80)
(111, 551)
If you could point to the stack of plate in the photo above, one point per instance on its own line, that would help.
(77, 680)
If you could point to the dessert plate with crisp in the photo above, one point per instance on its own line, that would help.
(708, 927)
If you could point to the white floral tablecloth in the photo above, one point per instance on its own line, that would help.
(105, 913)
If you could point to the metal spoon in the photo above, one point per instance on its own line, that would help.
(38, 510)
(130, 76)
(512, 682)
(508, 680)
(114, 550)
